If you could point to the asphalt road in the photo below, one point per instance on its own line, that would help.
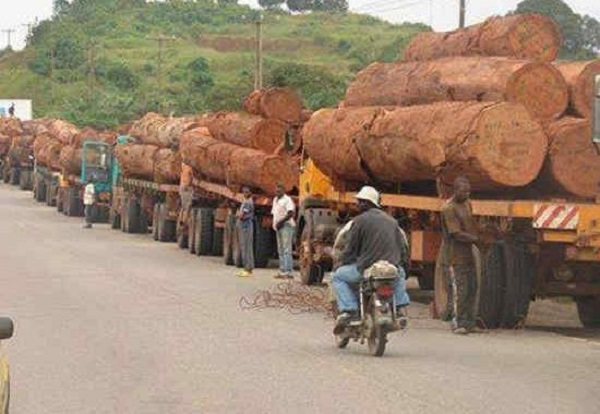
(114, 323)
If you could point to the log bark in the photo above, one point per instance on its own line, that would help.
(167, 166)
(580, 77)
(250, 131)
(93, 135)
(234, 165)
(494, 144)
(573, 163)
(329, 140)
(155, 129)
(5, 142)
(48, 152)
(538, 86)
(283, 104)
(62, 131)
(137, 160)
(70, 159)
(523, 36)
(11, 127)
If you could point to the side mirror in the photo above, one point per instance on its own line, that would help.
(7, 328)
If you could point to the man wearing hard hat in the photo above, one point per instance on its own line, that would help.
(374, 236)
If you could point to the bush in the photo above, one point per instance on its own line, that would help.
(120, 75)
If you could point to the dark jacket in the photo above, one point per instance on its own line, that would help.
(375, 236)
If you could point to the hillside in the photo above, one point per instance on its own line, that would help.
(96, 63)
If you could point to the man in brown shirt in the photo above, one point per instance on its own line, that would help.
(459, 234)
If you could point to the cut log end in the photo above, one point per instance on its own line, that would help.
(573, 162)
(507, 149)
(541, 89)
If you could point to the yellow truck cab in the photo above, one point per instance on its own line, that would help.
(6, 332)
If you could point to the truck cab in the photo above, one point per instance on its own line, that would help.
(97, 163)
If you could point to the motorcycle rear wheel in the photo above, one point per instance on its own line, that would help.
(377, 338)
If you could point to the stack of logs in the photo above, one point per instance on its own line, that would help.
(485, 101)
(155, 153)
(10, 128)
(255, 148)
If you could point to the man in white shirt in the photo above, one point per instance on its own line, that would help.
(89, 199)
(284, 224)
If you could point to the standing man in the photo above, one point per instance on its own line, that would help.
(11, 110)
(245, 227)
(458, 263)
(89, 199)
(285, 226)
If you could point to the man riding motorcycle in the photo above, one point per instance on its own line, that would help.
(374, 236)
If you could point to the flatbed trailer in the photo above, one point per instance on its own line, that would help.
(534, 249)
(207, 223)
(140, 204)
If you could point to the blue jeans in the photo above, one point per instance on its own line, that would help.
(285, 236)
(347, 299)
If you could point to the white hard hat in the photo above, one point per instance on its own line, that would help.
(369, 194)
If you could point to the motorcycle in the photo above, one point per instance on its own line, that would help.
(377, 309)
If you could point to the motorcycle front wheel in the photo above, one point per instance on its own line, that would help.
(377, 338)
(341, 341)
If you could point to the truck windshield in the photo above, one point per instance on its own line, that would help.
(96, 157)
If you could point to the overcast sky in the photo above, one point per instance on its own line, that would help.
(441, 14)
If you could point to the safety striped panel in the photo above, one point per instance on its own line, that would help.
(555, 216)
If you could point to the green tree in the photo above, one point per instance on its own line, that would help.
(200, 76)
(60, 7)
(574, 28)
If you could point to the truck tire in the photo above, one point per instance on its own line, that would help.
(426, 278)
(114, 219)
(166, 228)
(493, 285)
(155, 221)
(51, 195)
(263, 244)
(218, 236)
(143, 222)
(588, 308)
(74, 207)
(204, 231)
(192, 230)
(228, 240)
(132, 214)
(41, 191)
(59, 200)
(310, 273)
(519, 280)
(14, 176)
(6, 175)
(25, 180)
(182, 238)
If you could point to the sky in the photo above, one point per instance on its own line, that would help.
(442, 15)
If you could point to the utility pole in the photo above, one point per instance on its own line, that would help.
(8, 33)
(92, 70)
(462, 11)
(258, 73)
(52, 75)
(161, 41)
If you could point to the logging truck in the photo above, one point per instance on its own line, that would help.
(206, 223)
(139, 204)
(66, 193)
(534, 248)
